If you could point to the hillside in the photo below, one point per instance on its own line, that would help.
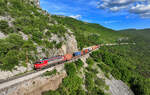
(141, 51)
(142, 33)
(28, 33)
(88, 34)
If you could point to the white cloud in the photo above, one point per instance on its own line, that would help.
(115, 5)
(140, 7)
(145, 15)
(76, 16)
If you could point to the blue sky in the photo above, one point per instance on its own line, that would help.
(114, 14)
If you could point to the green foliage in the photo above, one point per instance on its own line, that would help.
(89, 82)
(96, 56)
(101, 83)
(58, 29)
(116, 73)
(59, 45)
(79, 64)
(37, 36)
(4, 27)
(48, 44)
(14, 49)
(105, 67)
(9, 61)
(93, 84)
(49, 73)
(120, 66)
(90, 61)
(90, 69)
(51, 93)
(70, 69)
(140, 51)
(72, 83)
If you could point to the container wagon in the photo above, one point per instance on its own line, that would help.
(77, 53)
(68, 57)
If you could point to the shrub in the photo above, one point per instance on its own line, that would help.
(104, 67)
(89, 82)
(79, 64)
(4, 27)
(37, 36)
(3, 24)
(9, 61)
(48, 44)
(49, 73)
(59, 45)
(90, 61)
(90, 69)
(71, 69)
(116, 73)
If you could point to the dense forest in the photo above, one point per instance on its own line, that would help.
(141, 51)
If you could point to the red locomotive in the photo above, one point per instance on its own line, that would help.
(51, 61)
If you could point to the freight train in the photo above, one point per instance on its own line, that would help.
(42, 63)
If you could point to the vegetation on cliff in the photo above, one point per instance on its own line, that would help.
(116, 60)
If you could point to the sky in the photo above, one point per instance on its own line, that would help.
(114, 14)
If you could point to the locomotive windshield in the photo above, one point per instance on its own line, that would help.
(38, 62)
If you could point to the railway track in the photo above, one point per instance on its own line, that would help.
(4, 82)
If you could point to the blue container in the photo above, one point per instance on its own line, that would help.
(77, 54)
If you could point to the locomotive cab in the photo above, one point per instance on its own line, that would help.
(37, 64)
(40, 64)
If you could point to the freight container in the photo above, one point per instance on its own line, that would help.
(90, 48)
(77, 54)
(86, 51)
(94, 47)
(68, 56)
(97, 46)
(82, 52)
